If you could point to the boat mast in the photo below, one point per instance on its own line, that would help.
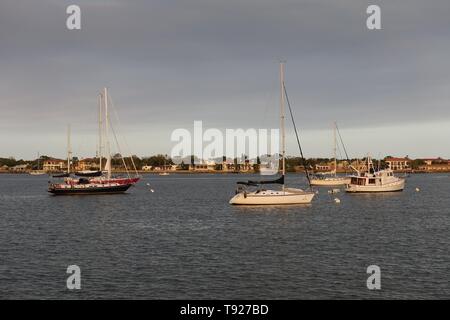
(100, 127)
(108, 151)
(283, 138)
(69, 151)
(334, 149)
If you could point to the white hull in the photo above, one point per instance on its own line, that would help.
(398, 185)
(273, 197)
(330, 182)
(37, 173)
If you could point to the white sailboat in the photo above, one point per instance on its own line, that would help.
(165, 173)
(330, 178)
(38, 171)
(375, 181)
(284, 196)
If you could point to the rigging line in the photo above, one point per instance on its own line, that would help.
(120, 151)
(123, 137)
(342, 142)
(344, 165)
(118, 146)
(339, 152)
(296, 134)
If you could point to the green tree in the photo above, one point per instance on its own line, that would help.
(157, 161)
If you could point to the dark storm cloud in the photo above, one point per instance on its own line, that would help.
(169, 63)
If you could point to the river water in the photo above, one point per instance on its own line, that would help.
(184, 241)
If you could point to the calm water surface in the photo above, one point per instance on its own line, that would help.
(184, 241)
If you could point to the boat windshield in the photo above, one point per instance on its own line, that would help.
(358, 181)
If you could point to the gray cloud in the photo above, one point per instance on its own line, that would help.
(170, 62)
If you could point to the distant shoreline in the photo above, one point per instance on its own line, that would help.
(184, 172)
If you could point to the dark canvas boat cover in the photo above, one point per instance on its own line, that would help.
(280, 180)
(89, 174)
(61, 175)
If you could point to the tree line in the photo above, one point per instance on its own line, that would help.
(160, 160)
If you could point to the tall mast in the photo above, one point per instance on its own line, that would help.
(69, 151)
(100, 129)
(283, 138)
(108, 151)
(334, 149)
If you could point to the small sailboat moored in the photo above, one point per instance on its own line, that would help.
(286, 195)
(330, 178)
(263, 196)
(375, 181)
(38, 171)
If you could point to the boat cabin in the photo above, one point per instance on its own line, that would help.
(376, 179)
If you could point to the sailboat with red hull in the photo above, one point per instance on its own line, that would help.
(86, 184)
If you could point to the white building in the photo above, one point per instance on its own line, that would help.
(398, 163)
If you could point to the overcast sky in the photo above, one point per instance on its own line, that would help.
(170, 62)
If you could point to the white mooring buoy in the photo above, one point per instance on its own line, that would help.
(334, 191)
(337, 200)
(151, 190)
(417, 189)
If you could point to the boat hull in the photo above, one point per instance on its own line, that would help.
(330, 182)
(271, 197)
(37, 173)
(90, 191)
(391, 187)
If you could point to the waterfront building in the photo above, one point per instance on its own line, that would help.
(435, 165)
(430, 161)
(53, 165)
(398, 164)
(87, 164)
(20, 168)
(322, 167)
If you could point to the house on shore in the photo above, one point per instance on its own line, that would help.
(224, 166)
(360, 165)
(87, 164)
(20, 168)
(205, 166)
(162, 168)
(54, 165)
(398, 164)
(322, 167)
(435, 165)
